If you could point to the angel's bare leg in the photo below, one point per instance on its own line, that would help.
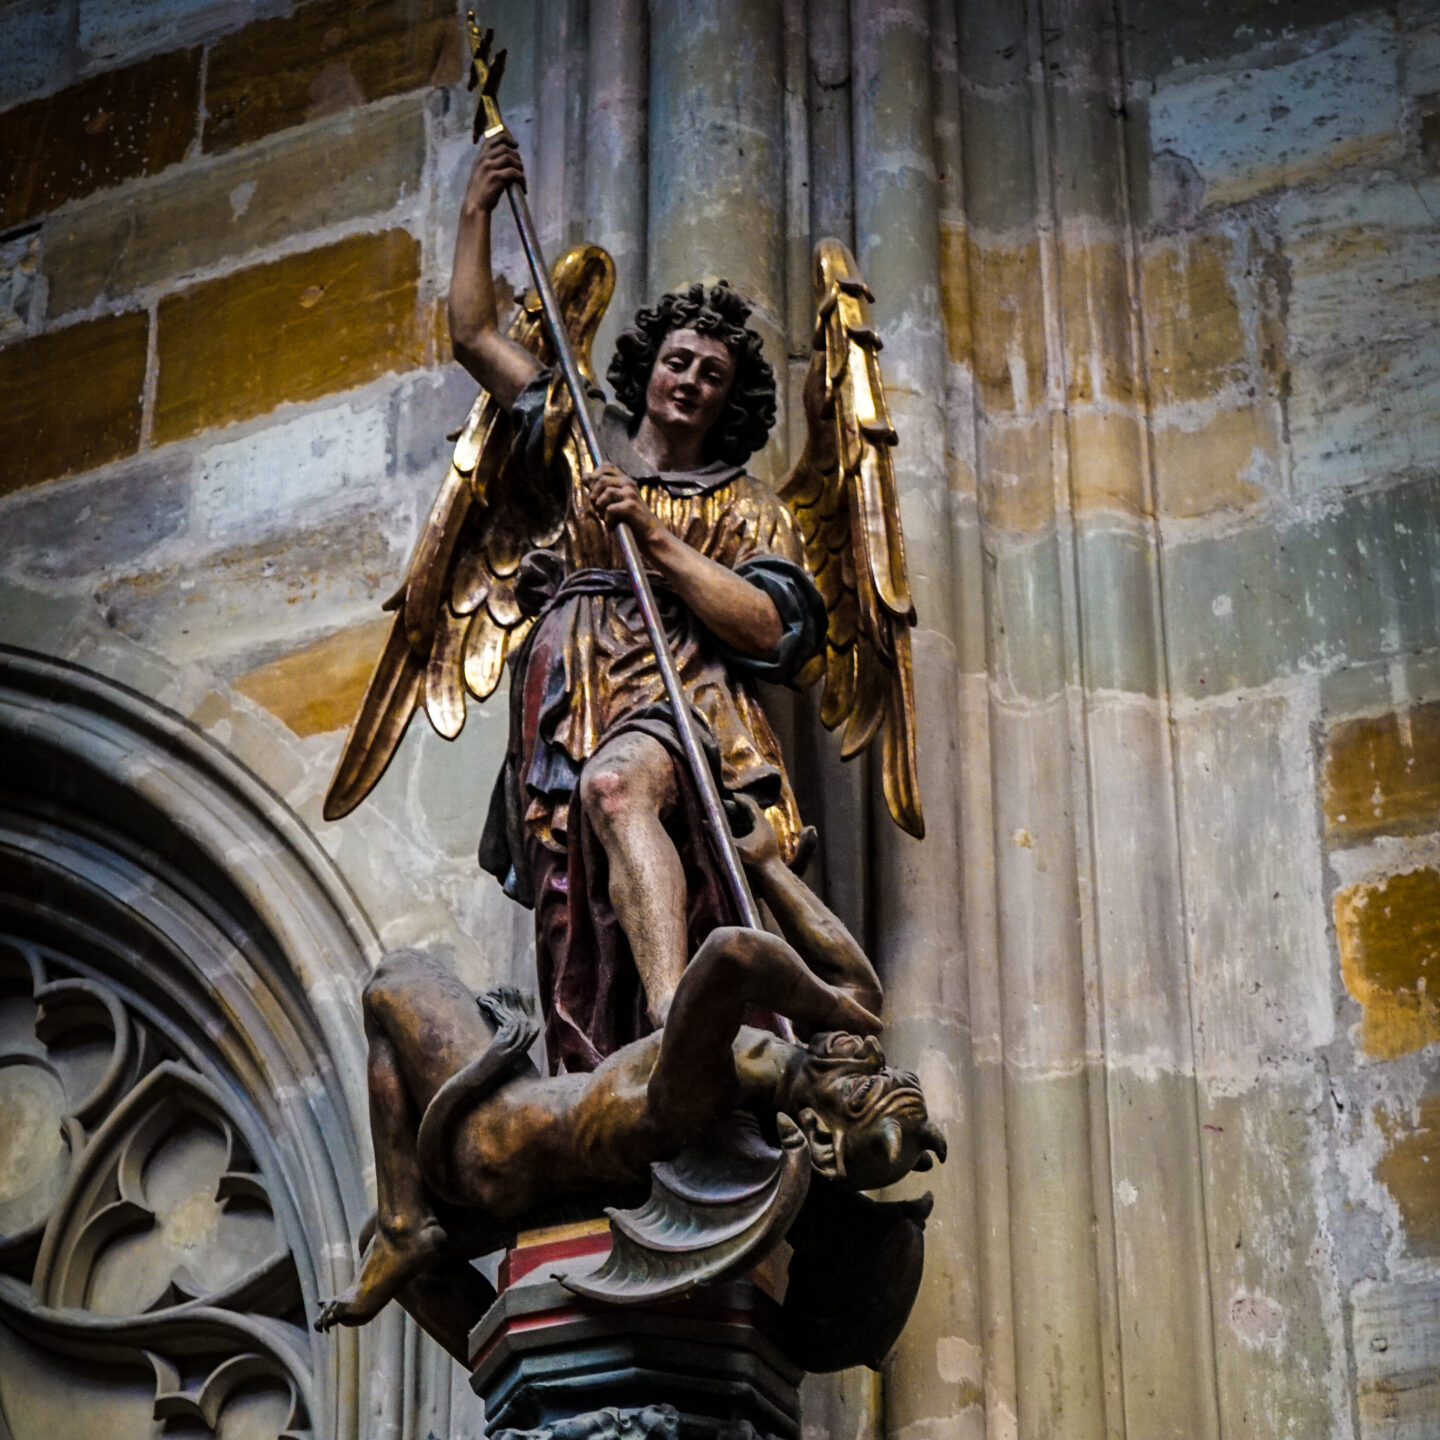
(627, 787)
(422, 1026)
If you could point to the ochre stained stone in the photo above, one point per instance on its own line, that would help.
(1218, 466)
(115, 127)
(204, 214)
(1009, 319)
(1382, 775)
(295, 329)
(70, 400)
(1410, 1171)
(1107, 462)
(1095, 296)
(1389, 936)
(319, 687)
(326, 57)
(1017, 484)
(1192, 320)
(955, 290)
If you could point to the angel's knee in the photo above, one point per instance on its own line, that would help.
(625, 780)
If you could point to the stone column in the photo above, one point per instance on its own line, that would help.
(973, 764)
(933, 1380)
(516, 25)
(717, 160)
(1148, 1188)
(1053, 1283)
(616, 155)
(834, 792)
(832, 180)
(557, 197)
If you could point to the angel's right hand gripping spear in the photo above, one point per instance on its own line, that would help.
(485, 73)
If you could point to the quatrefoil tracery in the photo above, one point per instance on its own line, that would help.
(145, 1233)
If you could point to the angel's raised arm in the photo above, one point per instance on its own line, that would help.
(503, 367)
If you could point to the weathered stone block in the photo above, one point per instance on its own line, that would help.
(1397, 1359)
(1193, 321)
(1363, 329)
(1420, 74)
(1389, 936)
(1407, 1170)
(1009, 320)
(318, 687)
(372, 159)
(328, 56)
(1082, 128)
(1027, 619)
(1430, 131)
(1107, 456)
(115, 30)
(1275, 1350)
(100, 523)
(295, 329)
(1228, 462)
(1017, 488)
(1355, 583)
(1247, 131)
(308, 466)
(1117, 603)
(955, 290)
(1160, 35)
(1095, 296)
(1382, 775)
(1262, 970)
(249, 603)
(19, 264)
(33, 56)
(116, 127)
(999, 163)
(70, 400)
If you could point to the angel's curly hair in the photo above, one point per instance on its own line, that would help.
(749, 414)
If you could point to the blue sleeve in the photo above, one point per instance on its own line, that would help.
(527, 417)
(802, 618)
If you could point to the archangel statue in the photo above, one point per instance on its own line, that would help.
(639, 583)
(594, 821)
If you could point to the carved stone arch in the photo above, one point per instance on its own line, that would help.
(180, 969)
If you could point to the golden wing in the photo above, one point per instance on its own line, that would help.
(456, 617)
(849, 519)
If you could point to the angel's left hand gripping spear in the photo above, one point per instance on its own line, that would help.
(485, 73)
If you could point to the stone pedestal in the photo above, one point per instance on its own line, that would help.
(707, 1365)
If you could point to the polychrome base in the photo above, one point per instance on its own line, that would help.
(699, 1368)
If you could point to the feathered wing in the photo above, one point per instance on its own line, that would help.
(456, 617)
(849, 519)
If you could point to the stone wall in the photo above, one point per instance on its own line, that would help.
(1158, 285)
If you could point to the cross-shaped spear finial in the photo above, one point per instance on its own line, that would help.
(486, 74)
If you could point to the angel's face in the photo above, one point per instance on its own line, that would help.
(689, 384)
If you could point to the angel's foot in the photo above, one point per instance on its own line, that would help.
(391, 1261)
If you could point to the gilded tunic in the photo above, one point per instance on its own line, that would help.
(587, 666)
(586, 672)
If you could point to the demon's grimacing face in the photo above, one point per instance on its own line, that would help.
(866, 1123)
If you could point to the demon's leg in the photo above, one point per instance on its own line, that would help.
(422, 1026)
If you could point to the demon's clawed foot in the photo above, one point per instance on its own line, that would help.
(391, 1261)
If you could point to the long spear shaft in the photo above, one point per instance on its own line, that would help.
(720, 833)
